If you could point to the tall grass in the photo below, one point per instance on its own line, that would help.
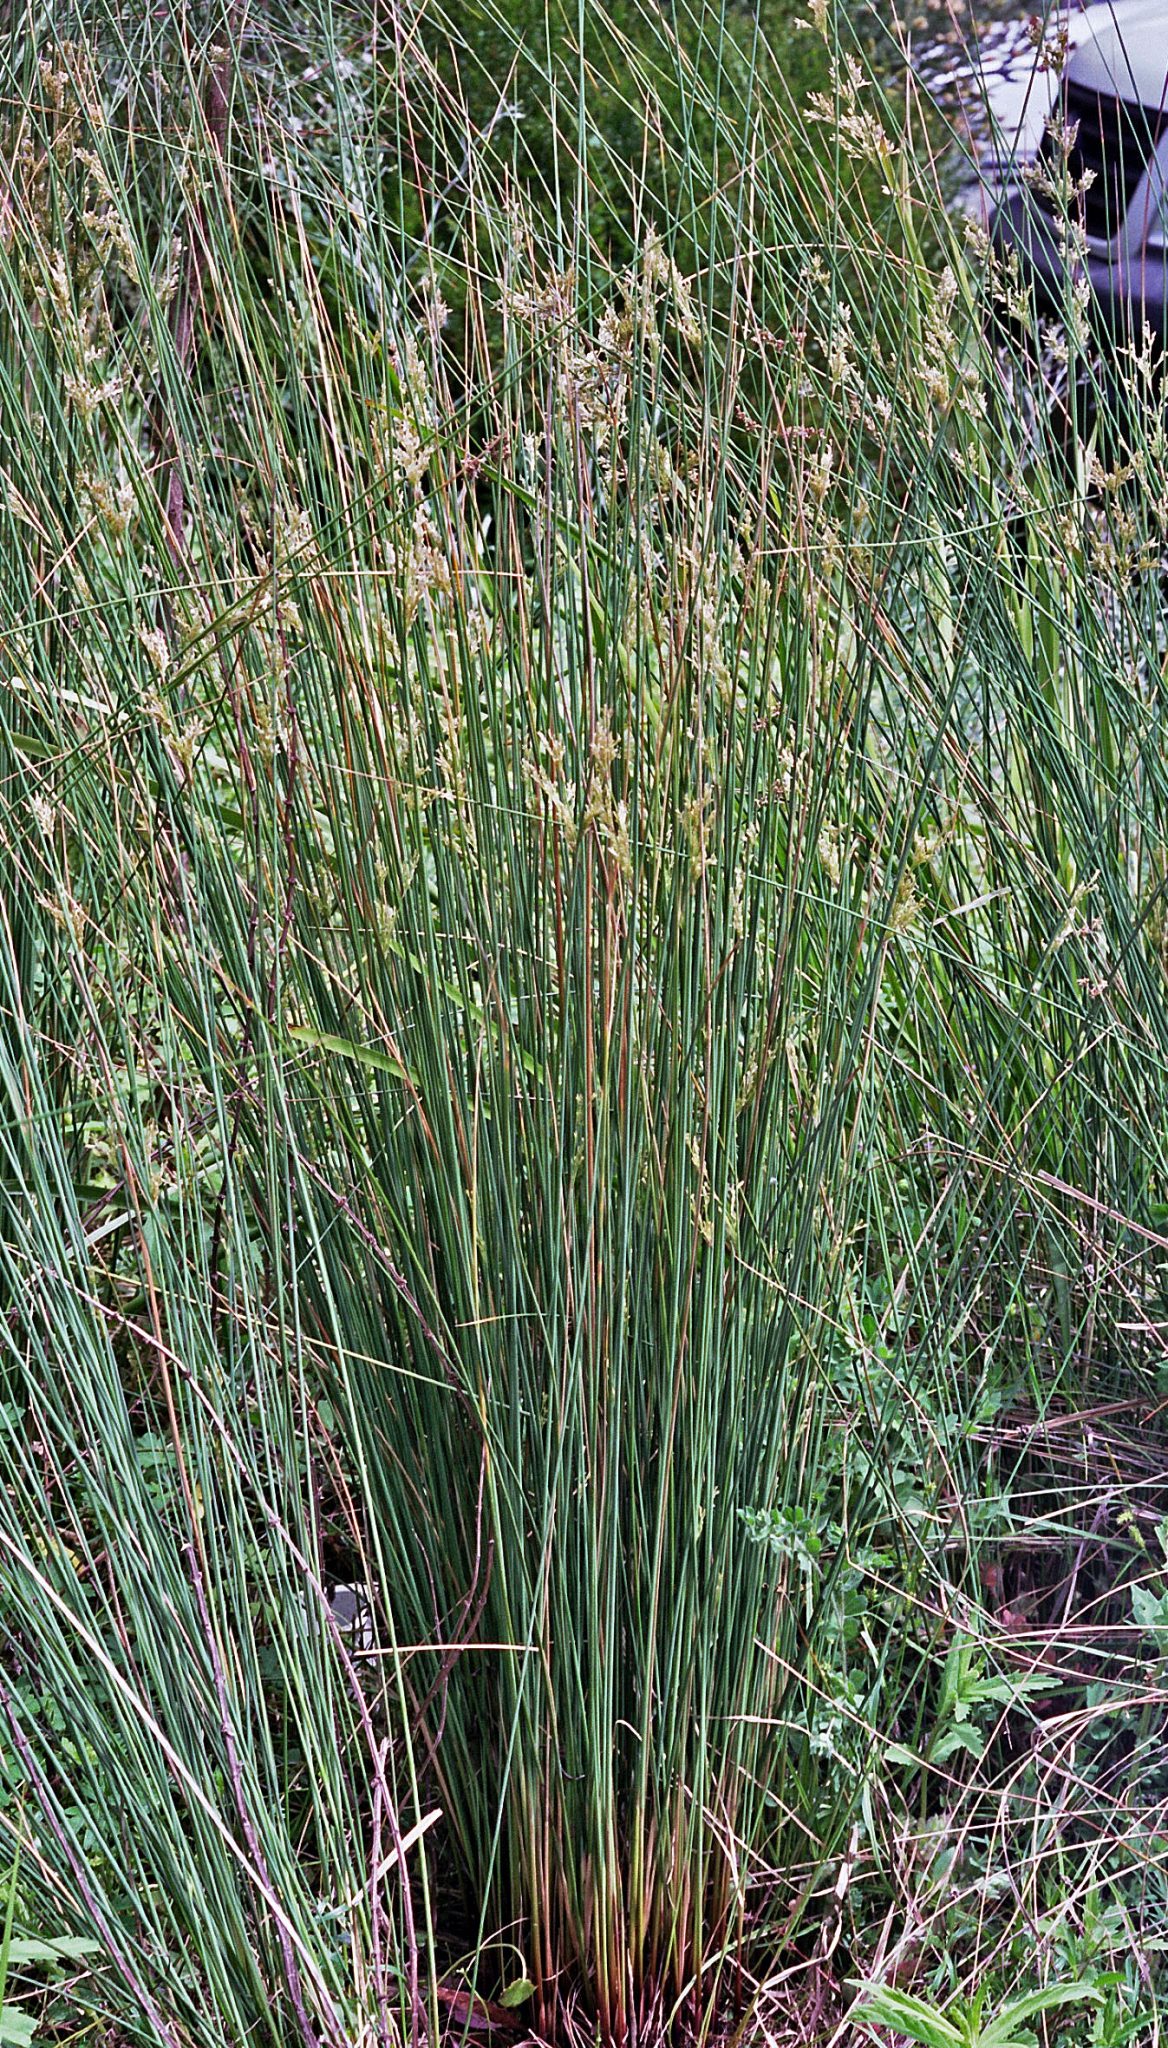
(583, 1044)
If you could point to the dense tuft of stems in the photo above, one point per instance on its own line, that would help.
(583, 1038)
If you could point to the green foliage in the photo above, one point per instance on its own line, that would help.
(914, 2020)
(20, 1953)
(583, 1033)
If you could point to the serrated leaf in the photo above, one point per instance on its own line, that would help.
(17, 2029)
(961, 1736)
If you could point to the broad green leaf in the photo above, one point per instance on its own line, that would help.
(66, 1948)
(1150, 1612)
(1004, 2028)
(884, 2006)
(960, 1736)
(517, 1994)
(896, 1753)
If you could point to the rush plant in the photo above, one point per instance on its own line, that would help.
(582, 1009)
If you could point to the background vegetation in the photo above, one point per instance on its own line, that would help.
(582, 1038)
